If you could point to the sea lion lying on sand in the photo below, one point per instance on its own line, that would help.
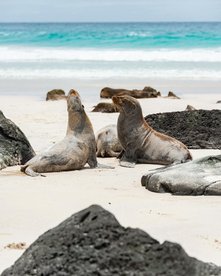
(76, 149)
(105, 108)
(140, 142)
(107, 142)
(147, 92)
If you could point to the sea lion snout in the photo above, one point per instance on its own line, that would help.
(73, 92)
(74, 101)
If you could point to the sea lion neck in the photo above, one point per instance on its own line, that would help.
(136, 115)
(77, 122)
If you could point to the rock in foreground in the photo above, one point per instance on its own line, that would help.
(92, 242)
(197, 129)
(15, 148)
(198, 177)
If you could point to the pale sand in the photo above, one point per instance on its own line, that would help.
(31, 206)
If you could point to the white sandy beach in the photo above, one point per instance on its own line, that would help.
(30, 206)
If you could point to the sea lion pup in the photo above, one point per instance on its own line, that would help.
(107, 142)
(140, 142)
(76, 149)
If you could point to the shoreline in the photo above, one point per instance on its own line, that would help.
(40, 85)
(33, 205)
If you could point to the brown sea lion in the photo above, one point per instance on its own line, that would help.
(76, 149)
(55, 94)
(140, 142)
(107, 142)
(105, 108)
(147, 92)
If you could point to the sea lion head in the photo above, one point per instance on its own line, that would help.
(127, 104)
(74, 101)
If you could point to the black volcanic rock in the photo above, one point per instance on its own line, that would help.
(15, 149)
(197, 129)
(92, 242)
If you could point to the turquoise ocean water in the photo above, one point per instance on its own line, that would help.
(110, 50)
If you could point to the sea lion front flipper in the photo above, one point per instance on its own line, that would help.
(102, 166)
(128, 159)
(127, 164)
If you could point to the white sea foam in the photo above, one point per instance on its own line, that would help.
(140, 34)
(27, 54)
(194, 74)
(28, 62)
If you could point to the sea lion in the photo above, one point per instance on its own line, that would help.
(76, 149)
(55, 95)
(107, 142)
(105, 108)
(147, 92)
(140, 142)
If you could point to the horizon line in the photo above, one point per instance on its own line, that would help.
(97, 22)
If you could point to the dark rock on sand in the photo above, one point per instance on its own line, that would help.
(55, 94)
(198, 129)
(198, 177)
(190, 108)
(147, 92)
(15, 149)
(92, 242)
(172, 95)
(105, 108)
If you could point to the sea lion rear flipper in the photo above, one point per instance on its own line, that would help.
(112, 153)
(32, 173)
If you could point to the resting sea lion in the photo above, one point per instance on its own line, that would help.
(107, 142)
(147, 92)
(140, 142)
(76, 149)
(105, 108)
